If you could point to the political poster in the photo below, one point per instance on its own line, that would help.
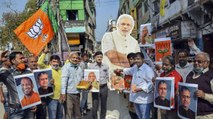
(164, 93)
(44, 81)
(163, 47)
(187, 101)
(92, 75)
(27, 90)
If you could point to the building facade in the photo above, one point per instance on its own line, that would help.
(78, 17)
(178, 19)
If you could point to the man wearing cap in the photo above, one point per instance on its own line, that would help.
(102, 95)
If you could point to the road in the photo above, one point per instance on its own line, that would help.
(116, 106)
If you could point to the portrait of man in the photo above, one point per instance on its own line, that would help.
(162, 92)
(30, 96)
(44, 84)
(146, 37)
(27, 90)
(92, 76)
(185, 101)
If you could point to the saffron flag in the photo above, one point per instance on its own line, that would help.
(38, 30)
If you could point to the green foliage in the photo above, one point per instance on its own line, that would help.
(11, 21)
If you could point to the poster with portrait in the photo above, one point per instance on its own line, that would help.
(117, 81)
(92, 75)
(44, 81)
(164, 93)
(146, 39)
(163, 47)
(187, 101)
(127, 83)
(27, 90)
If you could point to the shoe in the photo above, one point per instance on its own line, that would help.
(87, 110)
(83, 114)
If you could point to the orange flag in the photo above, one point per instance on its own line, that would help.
(37, 31)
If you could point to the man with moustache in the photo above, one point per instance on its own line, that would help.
(183, 67)
(102, 95)
(117, 44)
(72, 74)
(185, 99)
(18, 68)
(141, 87)
(162, 92)
(203, 76)
(55, 108)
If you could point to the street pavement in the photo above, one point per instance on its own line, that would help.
(116, 107)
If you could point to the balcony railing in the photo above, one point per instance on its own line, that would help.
(73, 23)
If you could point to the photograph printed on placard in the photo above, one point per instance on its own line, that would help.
(164, 92)
(27, 90)
(187, 101)
(44, 78)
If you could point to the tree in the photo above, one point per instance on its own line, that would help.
(11, 21)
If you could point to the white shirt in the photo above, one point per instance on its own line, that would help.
(142, 78)
(184, 71)
(115, 41)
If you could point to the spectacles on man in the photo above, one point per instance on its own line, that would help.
(199, 61)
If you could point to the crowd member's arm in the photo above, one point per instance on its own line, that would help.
(108, 49)
(41, 60)
(1, 93)
(206, 96)
(193, 48)
(64, 78)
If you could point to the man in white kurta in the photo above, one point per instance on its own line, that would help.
(115, 47)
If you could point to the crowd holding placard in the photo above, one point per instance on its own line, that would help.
(36, 89)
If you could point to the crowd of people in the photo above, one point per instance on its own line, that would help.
(123, 51)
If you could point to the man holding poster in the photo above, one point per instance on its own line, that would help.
(102, 95)
(15, 110)
(141, 87)
(168, 67)
(203, 76)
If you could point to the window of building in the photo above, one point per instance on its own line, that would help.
(72, 14)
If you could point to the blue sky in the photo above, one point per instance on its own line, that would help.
(17, 5)
(105, 10)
